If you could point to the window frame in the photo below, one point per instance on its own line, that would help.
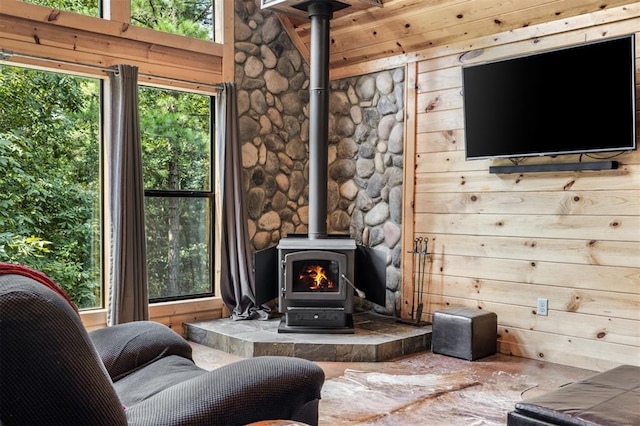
(210, 194)
(101, 81)
(87, 46)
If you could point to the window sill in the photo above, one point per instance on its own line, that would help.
(171, 314)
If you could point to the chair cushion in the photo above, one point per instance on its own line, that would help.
(154, 378)
(245, 391)
(126, 348)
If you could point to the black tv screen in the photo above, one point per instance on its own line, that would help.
(579, 99)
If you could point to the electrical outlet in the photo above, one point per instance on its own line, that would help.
(543, 305)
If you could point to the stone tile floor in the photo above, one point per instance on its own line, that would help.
(416, 388)
(375, 338)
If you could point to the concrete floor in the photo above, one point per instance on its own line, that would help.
(423, 388)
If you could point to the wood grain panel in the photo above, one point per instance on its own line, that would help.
(157, 74)
(563, 304)
(175, 314)
(444, 141)
(570, 251)
(88, 42)
(438, 121)
(441, 79)
(624, 178)
(556, 348)
(119, 30)
(176, 322)
(613, 202)
(169, 56)
(452, 25)
(440, 101)
(613, 228)
(592, 277)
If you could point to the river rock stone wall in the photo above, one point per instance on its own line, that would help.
(366, 140)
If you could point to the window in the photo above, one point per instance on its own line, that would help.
(191, 18)
(84, 7)
(176, 132)
(50, 160)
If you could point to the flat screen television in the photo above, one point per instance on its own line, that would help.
(574, 100)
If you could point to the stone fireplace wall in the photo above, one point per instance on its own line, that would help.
(366, 139)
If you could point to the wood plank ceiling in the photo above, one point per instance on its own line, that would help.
(401, 27)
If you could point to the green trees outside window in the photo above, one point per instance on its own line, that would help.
(50, 178)
(84, 7)
(50, 197)
(192, 18)
(176, 132)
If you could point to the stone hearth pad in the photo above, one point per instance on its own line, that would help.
(375, 338)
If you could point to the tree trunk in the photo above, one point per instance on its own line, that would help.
(173, 255)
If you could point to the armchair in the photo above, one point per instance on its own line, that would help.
(53, 372)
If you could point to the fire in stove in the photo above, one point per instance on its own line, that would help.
(317, 278)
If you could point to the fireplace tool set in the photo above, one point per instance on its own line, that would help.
(419, 252)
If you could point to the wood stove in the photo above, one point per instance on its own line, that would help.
(316, 284)
(316, 271)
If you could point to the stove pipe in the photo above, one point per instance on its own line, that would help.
(320, 13)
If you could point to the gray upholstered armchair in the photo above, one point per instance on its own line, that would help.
(53, 372)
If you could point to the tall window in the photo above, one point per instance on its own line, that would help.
(176, 131)
(50, 178)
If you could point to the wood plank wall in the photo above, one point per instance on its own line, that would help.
(498, 242)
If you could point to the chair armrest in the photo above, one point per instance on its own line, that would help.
(125, 348)
(247, 391)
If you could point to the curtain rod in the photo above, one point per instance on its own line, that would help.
(6, 55)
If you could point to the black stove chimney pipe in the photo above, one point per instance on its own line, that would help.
(320, 13)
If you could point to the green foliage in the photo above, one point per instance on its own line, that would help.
(49, 150)
(50, 156)
(191, 18)
(176, 143)
(50, 203)
(84, 7)
(175, 139)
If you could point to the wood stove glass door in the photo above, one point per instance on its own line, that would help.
(314, 274)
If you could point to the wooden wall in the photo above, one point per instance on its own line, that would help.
(498, 242)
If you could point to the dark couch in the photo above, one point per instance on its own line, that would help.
(608, 398)
(52, 372)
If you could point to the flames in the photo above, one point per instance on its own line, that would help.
(316, 278)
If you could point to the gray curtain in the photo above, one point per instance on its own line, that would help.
(236, 270)
(128, 299)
